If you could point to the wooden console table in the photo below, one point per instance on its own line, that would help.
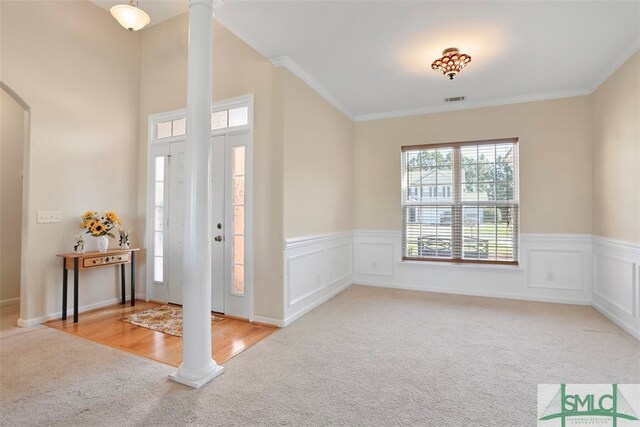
(88, 260)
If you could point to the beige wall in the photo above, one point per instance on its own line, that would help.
(78, 71)
(91, 87)
(237, 70)
(11, 149)
(301, 143)
(616, 154)
(318, 157)
(555, 160)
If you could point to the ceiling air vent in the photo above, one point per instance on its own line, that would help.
(454, 99)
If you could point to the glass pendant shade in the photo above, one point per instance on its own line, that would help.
(451, 63)
(130, 17)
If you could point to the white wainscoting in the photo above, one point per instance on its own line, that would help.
(315, 269)
(616, 287)
(553, 268)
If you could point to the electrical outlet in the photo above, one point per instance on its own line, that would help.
(550, 276)
(48, 217)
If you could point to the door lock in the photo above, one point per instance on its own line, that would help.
(218, 238)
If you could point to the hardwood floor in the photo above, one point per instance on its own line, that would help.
(229, 336)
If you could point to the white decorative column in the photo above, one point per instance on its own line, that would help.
(197, 367)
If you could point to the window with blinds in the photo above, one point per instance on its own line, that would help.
(460, 202)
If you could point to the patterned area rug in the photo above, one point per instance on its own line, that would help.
(166, 319)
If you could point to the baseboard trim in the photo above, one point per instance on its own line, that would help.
(298, 314)
(283, 323)
(270, 321)
(25, 323)
(475, 294)
(9, 301)
(617, 320)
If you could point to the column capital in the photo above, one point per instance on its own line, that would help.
(205, 3)
(212, 4)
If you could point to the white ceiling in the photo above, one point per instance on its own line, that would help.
(372, 58)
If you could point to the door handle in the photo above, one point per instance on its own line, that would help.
(218, 238)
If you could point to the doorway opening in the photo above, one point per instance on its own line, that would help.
(231, 174)
(15, 128)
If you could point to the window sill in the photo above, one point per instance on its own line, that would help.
(517, 268)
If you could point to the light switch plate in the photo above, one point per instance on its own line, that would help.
(47, 217)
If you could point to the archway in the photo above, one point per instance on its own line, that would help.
(15, 128)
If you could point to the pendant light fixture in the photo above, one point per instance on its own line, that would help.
(130, 16)
(451, 63)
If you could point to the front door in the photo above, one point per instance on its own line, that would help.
(228, 218)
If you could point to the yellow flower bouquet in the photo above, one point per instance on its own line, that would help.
(98, 224)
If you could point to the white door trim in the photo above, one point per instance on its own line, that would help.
(158, 291)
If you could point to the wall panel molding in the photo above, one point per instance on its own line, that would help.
(553, 268)
(307, 275)
(557, 268)
(316, 268)
(616, 282)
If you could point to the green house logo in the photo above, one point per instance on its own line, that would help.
(588, 408)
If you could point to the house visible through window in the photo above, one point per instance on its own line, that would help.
(460, 202)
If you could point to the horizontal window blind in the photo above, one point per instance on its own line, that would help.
(460, 202)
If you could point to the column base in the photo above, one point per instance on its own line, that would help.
(196, 380)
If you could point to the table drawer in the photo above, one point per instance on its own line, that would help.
(106, 260)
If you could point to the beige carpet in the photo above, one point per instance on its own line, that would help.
(166, 319)
(374, 357)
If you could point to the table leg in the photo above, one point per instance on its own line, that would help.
(133, 278)
(75, 290)
(65, 273)
(122, 282)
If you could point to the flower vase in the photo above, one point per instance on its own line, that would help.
(102, 243)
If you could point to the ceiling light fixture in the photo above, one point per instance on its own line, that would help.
(451, 63)
(130, 16)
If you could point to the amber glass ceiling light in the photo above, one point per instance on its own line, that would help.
(451, 63)
(130, 16)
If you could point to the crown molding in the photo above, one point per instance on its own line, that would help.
(613, 66)
(468, 105)
(291, 65)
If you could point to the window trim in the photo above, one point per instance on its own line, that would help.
(456, 230)
(513, 140)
